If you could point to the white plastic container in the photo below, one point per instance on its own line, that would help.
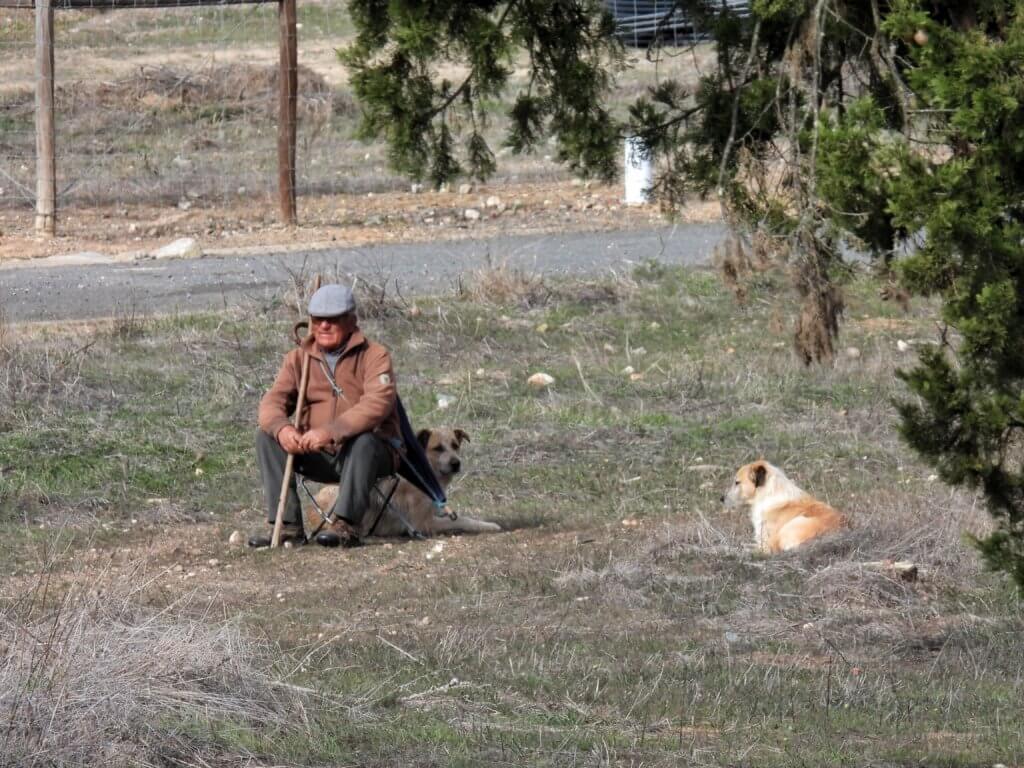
(639, 175)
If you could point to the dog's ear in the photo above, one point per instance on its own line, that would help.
(423, 436)
(462, 436)
(758, 472)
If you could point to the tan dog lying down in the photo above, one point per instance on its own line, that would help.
(408, 502)
(783, 515)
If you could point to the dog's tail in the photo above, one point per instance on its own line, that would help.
(465, 525)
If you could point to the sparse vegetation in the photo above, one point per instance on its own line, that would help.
(573, 639)
(91, 678)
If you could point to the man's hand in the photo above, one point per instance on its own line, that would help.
(290, 439)
(315, 440)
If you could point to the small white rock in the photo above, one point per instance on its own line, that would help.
(182, 248)
(493, 202)
(628, 370)
(213, 562)
(471, 214)
(901, 345)
(540, 380)
(465, 189)
(236, 538)
(444, 402)
(853, 353)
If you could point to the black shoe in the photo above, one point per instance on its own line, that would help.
(262, 540)
(341, 535)
(331, 539)
(328, 539)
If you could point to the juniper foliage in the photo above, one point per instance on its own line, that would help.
(435, 123)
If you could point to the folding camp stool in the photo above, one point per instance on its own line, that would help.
(413, 466)
(383, 497)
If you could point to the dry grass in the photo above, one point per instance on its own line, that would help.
(503, 285)
(47, 376)
(93, 678)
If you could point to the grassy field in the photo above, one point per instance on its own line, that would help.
(621, 619)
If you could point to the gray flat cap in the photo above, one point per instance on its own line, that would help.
(332, 300)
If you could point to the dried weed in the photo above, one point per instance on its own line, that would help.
(96, 679)
(504, 285)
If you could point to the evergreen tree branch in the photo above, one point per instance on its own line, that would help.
(472, 72)
(723, 164)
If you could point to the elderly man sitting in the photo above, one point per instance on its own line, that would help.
(348, 419)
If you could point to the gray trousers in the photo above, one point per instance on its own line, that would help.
(356, 468)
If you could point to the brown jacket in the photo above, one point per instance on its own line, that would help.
(366, 402)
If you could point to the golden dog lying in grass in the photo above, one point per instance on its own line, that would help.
(783, 515)
(410, 507)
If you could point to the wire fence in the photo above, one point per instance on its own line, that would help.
(641, 23)
(179, 106)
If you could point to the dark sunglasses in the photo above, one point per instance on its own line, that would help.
(336, 320)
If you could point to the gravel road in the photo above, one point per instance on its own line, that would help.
(35, 292)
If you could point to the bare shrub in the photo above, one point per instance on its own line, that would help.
(39, 373)
(502, 284)
(99, 680)
(129, 321)
(378, 296)
(300, 287)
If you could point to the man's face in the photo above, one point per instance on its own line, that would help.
(331, 332)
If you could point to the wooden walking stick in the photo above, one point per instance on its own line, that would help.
(289, 467)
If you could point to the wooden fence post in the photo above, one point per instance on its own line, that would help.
(288, 86)
(46, 159)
